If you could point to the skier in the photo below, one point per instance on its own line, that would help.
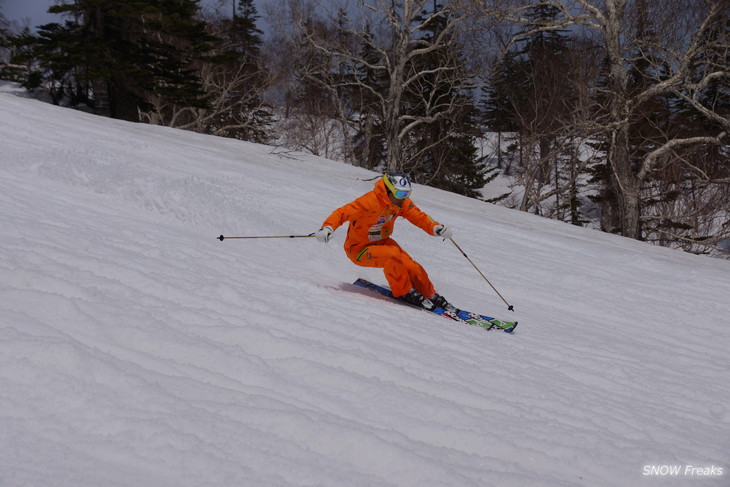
(368, 243)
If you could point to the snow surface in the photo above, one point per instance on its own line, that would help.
(138, 350)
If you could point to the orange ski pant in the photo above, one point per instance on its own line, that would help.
(401, 271)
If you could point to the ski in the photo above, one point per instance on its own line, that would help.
(462, 316)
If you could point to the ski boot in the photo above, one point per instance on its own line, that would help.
(442, 303)
(415, 298)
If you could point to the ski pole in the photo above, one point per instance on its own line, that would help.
(509, 306)
(221, 238)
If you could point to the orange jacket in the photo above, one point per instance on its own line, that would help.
(372, 217)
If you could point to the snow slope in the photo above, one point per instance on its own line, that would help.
(138, 350)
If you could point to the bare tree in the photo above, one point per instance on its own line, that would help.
(696, 220)
(311, 116)
(668, 39)
(399, 44)
(235, 109)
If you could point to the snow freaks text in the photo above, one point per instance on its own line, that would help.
(682, 471)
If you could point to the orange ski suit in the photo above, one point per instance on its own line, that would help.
(368, 243)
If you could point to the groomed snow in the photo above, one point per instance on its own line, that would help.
(138, 350)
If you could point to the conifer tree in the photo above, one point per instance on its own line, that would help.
(312, 70)
(132, 52)
(369, 143)
(245, 34)
(4, 39)
(21, 65)
(532, 94)
(443, 150)
(502, 101)
(238, 81)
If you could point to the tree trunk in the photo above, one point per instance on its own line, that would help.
(101, 97)
(626, 184)
(393, 102)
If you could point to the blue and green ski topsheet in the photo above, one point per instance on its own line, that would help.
(463, 316)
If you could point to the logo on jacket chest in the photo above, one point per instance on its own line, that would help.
(376, 232)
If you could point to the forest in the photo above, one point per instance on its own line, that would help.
(611, 114)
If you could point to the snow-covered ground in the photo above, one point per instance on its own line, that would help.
(138, 350)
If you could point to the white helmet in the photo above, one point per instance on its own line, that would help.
(398, 184)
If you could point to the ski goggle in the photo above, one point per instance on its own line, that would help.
(402, 194)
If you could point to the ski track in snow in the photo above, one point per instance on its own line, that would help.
(135, 349)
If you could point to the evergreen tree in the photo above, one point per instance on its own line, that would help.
(312, 72)
(502, 102)
(503, 98)
(521, 92)
(600, 173)
(241, 80)
(442, 150)
(131, 52)
(531, 94)
(57, 69)
(369, 140)
(21, 65)
(4, 40)
(245, 34)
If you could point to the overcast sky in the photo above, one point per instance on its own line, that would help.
(33, 12)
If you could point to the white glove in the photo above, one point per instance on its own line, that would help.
(442, 231)
(324, 234)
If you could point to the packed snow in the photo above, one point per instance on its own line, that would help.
(136, 349)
